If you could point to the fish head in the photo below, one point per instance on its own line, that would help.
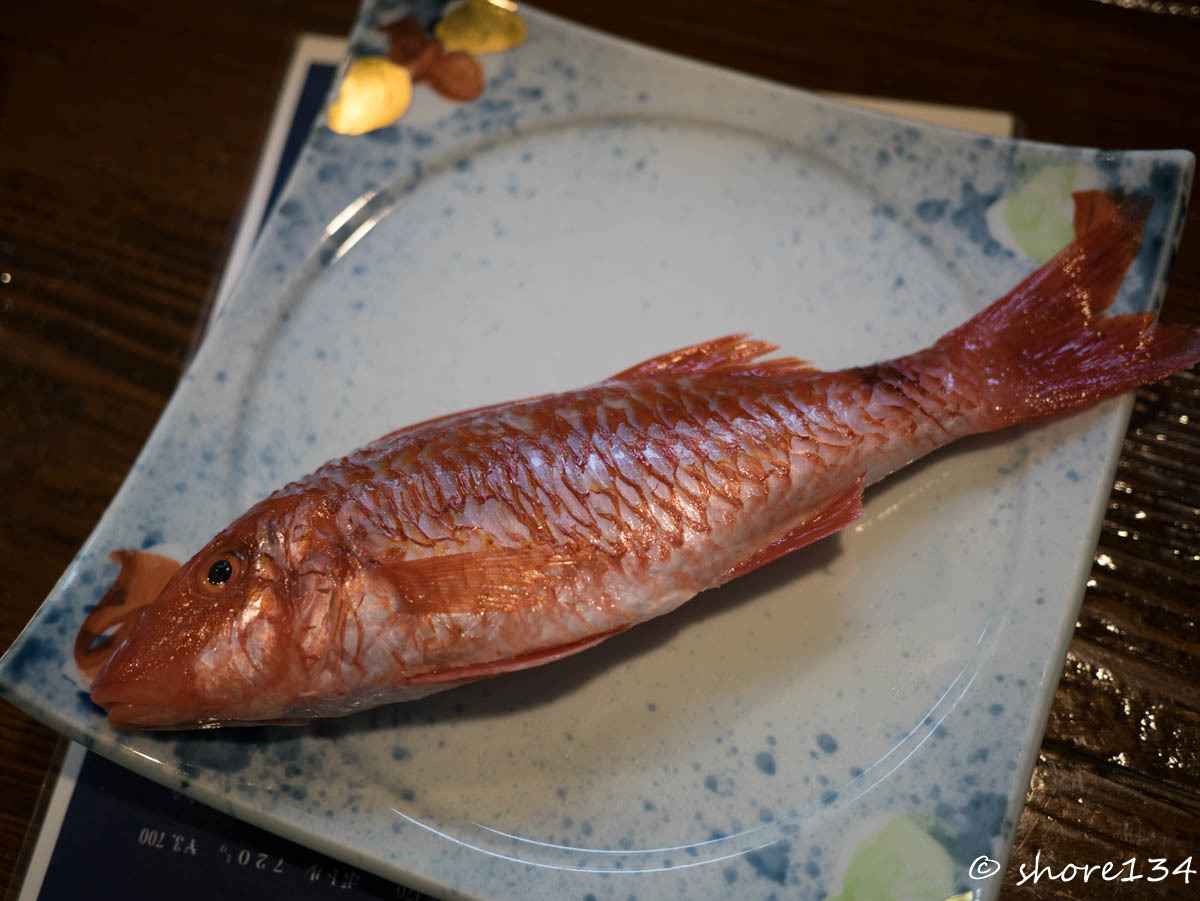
(217, 646)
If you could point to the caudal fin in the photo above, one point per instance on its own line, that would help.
(1047, 345)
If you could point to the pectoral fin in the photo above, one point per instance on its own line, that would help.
(474, 582)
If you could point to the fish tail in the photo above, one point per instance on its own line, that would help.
(1048, 346)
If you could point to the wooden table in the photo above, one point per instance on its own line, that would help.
(128, 136)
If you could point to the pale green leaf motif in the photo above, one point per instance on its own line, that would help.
(901, 862)
(1036, 213)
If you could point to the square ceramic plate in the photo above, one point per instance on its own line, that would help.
(865, 711)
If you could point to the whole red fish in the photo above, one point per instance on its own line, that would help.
(513, 535)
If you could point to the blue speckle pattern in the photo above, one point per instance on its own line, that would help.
(742, 744)
(772, 862)
(932, 210)
(971, 218)
(23, 659)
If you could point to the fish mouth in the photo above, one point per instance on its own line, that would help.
(136, 703)
(142, 704)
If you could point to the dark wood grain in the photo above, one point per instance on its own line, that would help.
(128, 136)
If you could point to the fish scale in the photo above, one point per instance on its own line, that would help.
(513, 535)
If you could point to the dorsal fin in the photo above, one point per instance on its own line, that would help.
(445, 417)
(732, 354)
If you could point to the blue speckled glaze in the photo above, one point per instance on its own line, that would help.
(602, 203)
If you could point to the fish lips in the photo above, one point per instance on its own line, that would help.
(133, 703)
(137, 695)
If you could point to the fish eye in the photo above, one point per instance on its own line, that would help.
(219, 570)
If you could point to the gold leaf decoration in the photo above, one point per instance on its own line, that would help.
(374, 94)
(482, 26)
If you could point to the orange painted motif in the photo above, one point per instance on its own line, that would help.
(140, 581)
(512, 535)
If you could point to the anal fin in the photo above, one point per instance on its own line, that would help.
(824, 521)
